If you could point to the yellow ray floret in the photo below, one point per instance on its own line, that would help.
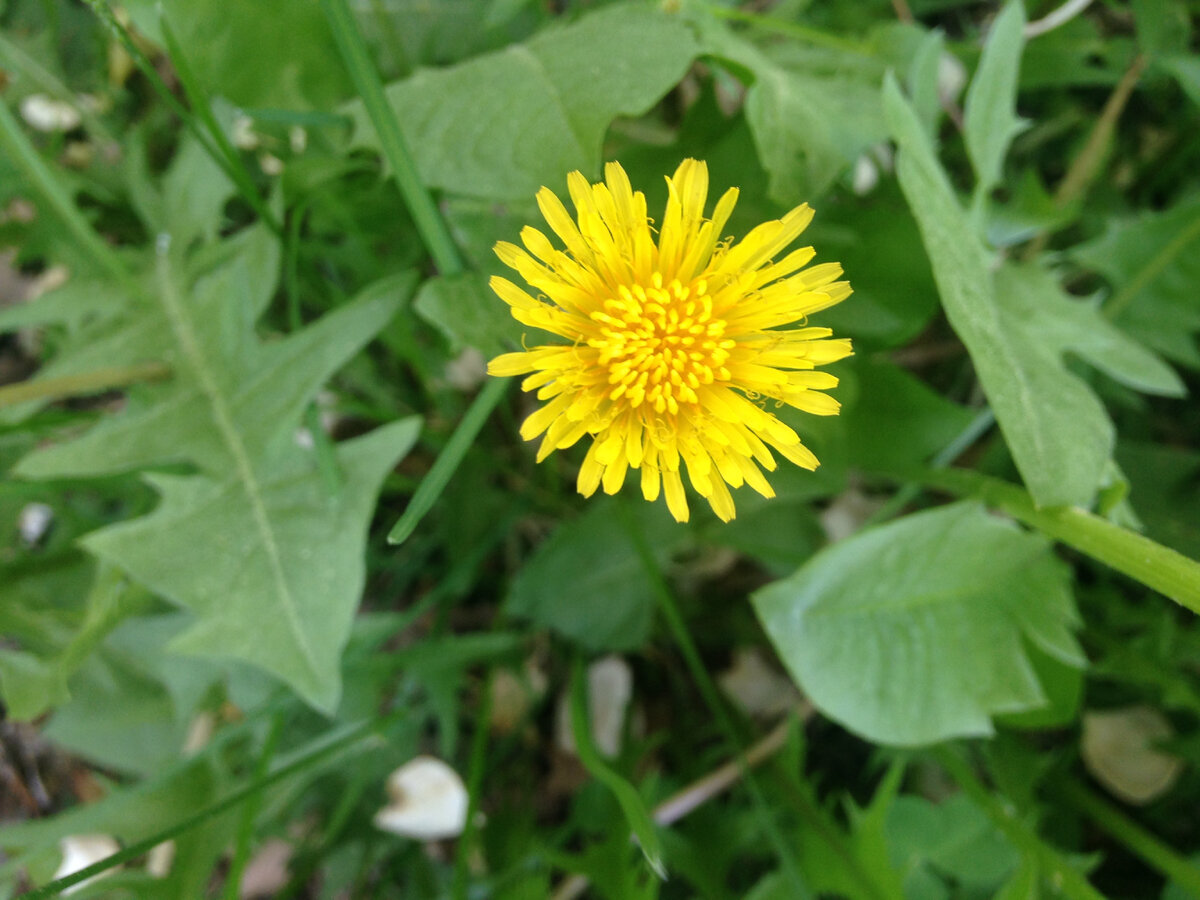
(673, 350)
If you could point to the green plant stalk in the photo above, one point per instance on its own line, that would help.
(234, 172)
(479, 745)
(1069, 881)
(1170, 573)
(1137, 839)
(444, 466)
(233, 165)
(627, 796)
(712, 700)
(94, 382)
(245, 832)
(324, 747)
(16, 145)
(430, 224)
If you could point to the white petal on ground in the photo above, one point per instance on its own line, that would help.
(610, 688)
(427, 801)
(1118, 749)
(47, 114)
(755, 687)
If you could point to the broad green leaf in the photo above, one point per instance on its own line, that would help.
(239, 51)
(504, 124)
(587, 582)
(990, 119)
(256, 536)
(469, 314)
(1058, 432)
(914, 632)
(1152, 262)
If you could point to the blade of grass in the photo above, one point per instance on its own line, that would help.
(479, 745)
(245, 832)
(319, 750)
(201, 107)
(233, 170)
(18, 148)
(627, 796)
(93, 382)
(430, 224)
(712, 699)
(1137, 839)
(447, 462)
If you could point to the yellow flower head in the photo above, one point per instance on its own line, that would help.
(671, 350)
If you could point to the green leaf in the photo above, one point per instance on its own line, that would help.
(953, 838)
(587, 582)
(812, 113)
(1059, 434)
(469, 314)
(254, 537)
(235, 49)
(913, 632)
(506, 123)
(990, 119)
(1152, 262)
(275, 550)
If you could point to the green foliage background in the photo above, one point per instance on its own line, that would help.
(275, 223)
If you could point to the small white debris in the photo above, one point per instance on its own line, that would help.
(297, 139)
(865, 176)
(244, 137)
(755, 687)
(47, 114)
(160, 859)
(467, 370)
(513, 694)
(33, 522)
(82, 850)
(610, 688)
(304, 439)
(427, 801)
(952, 78)
(267, 871)
(1118, 749)
(270, 164)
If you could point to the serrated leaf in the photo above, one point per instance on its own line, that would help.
(282, 552)
(914, 632)
(990, 119)
(1152, 262)
(1059, 434)
(506, 123)
(256, 536)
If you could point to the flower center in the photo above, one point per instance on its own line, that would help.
(661, 343)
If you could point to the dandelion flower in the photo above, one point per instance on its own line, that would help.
(673, 352)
